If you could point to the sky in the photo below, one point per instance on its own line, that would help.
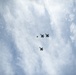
(21, 21)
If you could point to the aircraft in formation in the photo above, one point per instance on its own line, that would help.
(42, 36)
(41, 48)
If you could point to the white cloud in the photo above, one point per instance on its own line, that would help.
(25, 23)
(5, 60)
(73, 32)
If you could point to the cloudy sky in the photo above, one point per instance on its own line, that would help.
(21, 21)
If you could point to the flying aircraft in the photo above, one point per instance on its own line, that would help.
(41, 48)
(47, 35)
(42, 35)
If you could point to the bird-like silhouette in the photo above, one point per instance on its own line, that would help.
(42, 35)
(47, 35)
(41, 48)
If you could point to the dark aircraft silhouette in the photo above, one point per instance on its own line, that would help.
(41, 48)
(47, 35)
(42, 35)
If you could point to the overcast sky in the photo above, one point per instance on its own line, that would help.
(21, 21)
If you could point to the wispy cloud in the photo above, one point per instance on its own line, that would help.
(26, 19)
(5, 60)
